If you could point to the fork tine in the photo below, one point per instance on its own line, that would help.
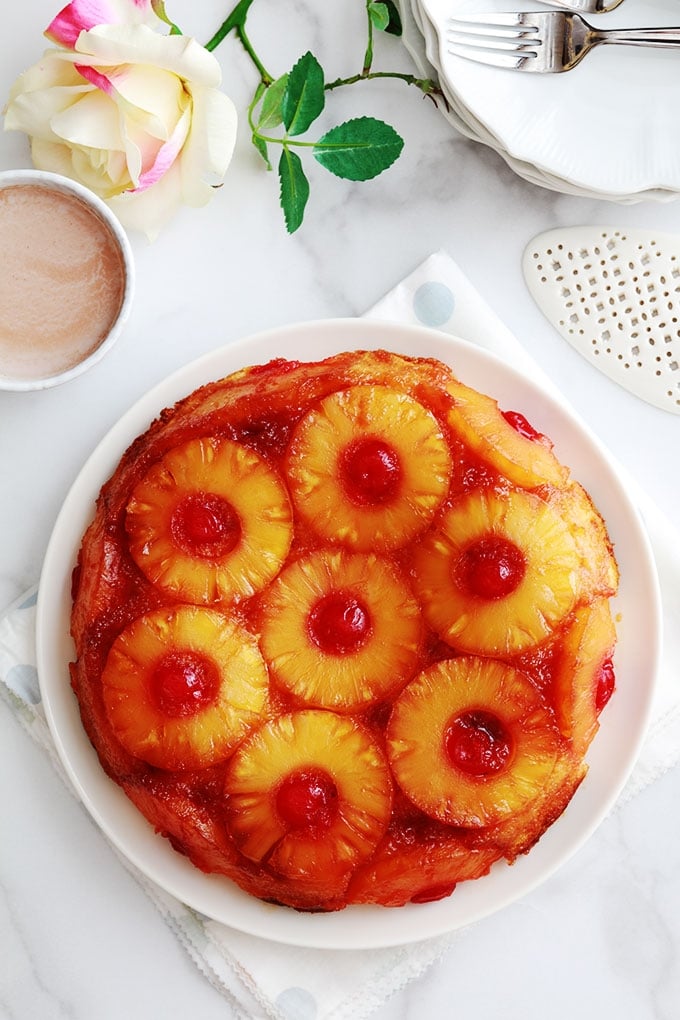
(520, 44)
(508, 60)
(498, 19)
(493, 52)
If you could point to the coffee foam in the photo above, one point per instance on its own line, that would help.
(62, 281)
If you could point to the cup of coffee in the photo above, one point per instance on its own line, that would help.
(66, 279)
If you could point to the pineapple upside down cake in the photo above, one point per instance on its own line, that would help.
(343, 630)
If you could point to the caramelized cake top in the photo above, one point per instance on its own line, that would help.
(342, 630)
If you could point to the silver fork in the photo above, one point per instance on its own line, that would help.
(585, 6)
(545, 41)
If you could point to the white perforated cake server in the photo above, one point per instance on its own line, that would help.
(614, 295)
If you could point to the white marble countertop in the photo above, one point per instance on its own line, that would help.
(78, 937)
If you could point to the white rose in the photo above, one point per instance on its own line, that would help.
(135, 115)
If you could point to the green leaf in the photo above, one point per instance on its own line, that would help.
(385, 17)
(394, 26)
(379, 15)
(261, 147)
(271, 113)
(304, 97)
(294, 189)
(359, 149)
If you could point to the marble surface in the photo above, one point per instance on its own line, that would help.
(78, 937)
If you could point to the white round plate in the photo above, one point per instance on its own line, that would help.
(606, 127)
(613, 752)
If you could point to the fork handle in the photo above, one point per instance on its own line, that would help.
(638, 36)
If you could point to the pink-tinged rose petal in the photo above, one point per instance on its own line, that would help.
(82, 15)
(111, 45)
(151, 209)
(77, 17)
(96, 78)
(166, 156)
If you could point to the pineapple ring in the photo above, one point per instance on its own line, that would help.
(418, 733)
(371, 659)
(299, 743)
(257, 519)
(520, 832)
(404, 870)
(394, 449)
(599, 568)
(529, 612)
(159, 725)
(528, 461)
(588, 645)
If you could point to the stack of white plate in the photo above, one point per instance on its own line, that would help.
(608, 129)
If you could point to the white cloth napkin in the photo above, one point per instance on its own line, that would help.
(262, 979)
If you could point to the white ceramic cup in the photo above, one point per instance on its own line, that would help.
(44, 179)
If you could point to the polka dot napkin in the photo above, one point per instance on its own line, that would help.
(261, 979)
